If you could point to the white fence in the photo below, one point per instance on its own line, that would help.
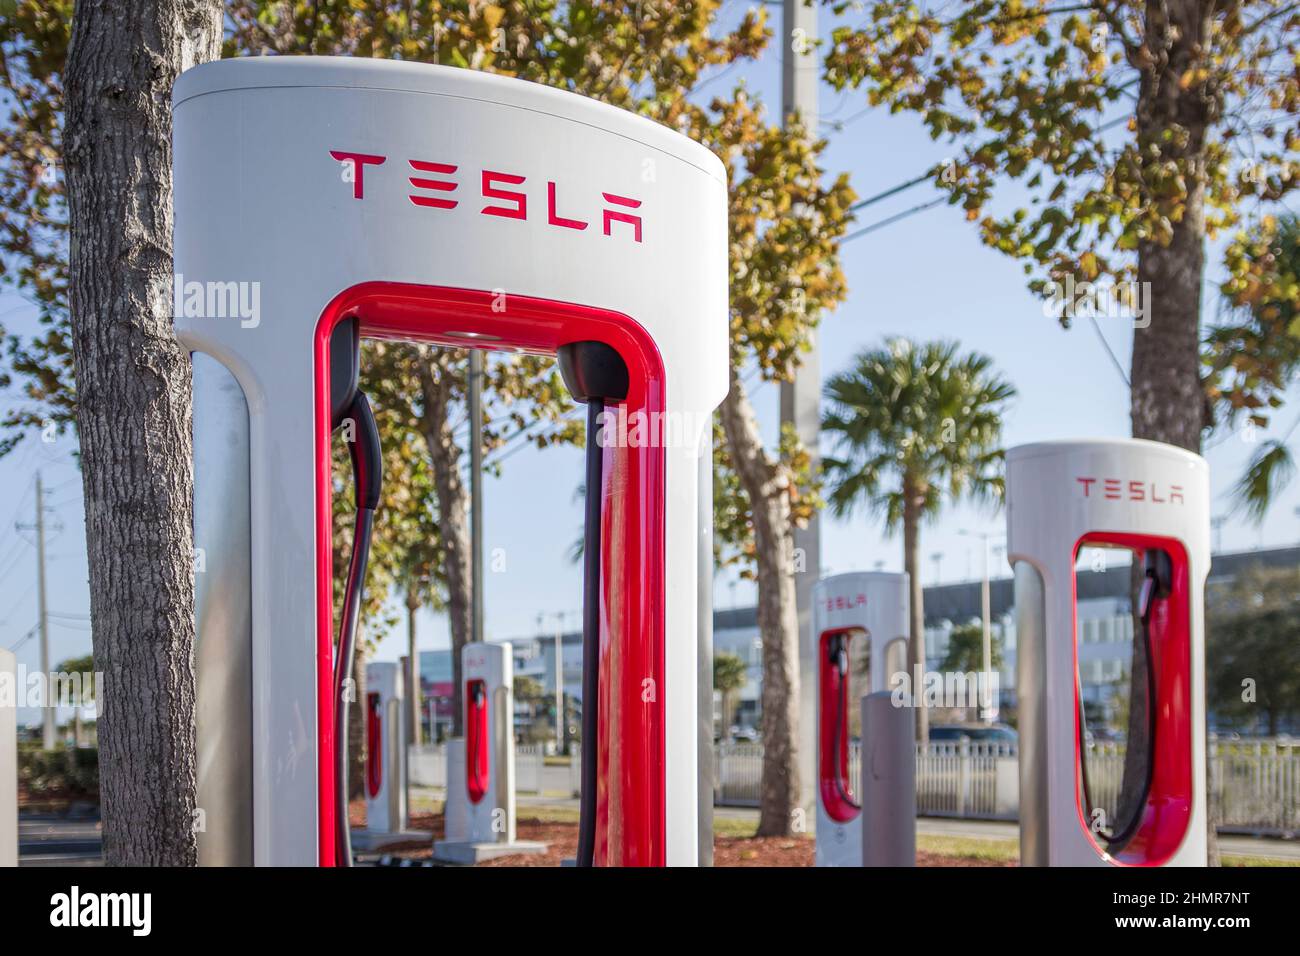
(1256, 783)
(427, 766)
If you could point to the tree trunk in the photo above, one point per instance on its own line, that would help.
(133, 411)
(413, 666)
(766, 484)
(357, 724)
(1167, 401)
(916, 607)
(437, 383)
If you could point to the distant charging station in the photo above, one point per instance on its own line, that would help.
(488, 777)
(859, 638)
(406, 201)
(1147, 503)
(384, 720)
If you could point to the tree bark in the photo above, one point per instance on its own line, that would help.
(915, 605)
(766, 485)
(1167, 401)
(133, 411)
(437, 383)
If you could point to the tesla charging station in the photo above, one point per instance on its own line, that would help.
(407, 201)
(860, 616)
(1152, 501)
(385, 774)
(487, 828)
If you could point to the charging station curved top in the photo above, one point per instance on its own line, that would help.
(306, 175)
(1059, 490)
(271, 72)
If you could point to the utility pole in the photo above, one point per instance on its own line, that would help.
(559, 682)
(413, 709)
(1217, 523)
(47, 713)
(987, 711)
(476, 492)
(801, 397)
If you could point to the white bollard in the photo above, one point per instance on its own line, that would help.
(888, 782)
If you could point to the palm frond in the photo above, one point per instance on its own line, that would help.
(1270, 470)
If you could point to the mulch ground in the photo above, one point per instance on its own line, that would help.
(562, 843)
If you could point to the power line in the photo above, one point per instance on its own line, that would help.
(870, 200)
(1106, 345)
(26, 637)
(865, 230)
(22, 597)
(925, 177)
(86, 629)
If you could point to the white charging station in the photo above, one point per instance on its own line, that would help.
(858, 619)
(485, 828)
(458, 208)
(384, 726)
(1145, 500)
(9, 762)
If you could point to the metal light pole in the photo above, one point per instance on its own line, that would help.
(559, 682)
(987, 711)
(48, 713)
(476, 492)
(801, 396)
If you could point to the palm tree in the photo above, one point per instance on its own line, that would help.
(914, 423)
(729, 676)
(1255, 356)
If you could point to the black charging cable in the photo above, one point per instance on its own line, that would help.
(839, 661)
(595, 374)
(350, 406)
(1155, 584)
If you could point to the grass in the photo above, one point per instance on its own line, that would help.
(970, 848)
(1229, 860)
(966, 848)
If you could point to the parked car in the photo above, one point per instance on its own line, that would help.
(976, 733)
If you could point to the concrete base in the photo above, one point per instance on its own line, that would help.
(468, 854)
(367, 842)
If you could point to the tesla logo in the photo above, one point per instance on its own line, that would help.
(843, 602)
(1116, 489)
(437, 186)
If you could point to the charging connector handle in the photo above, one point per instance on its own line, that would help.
(594, 373)
(1157, 583)
(839, 661)
(367, 473)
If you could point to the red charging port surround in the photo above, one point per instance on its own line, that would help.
(1169, 804)
(374, 745)
(832, 772)
(477, 728)
(631, 826)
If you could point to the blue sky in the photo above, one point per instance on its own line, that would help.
(927, 276)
